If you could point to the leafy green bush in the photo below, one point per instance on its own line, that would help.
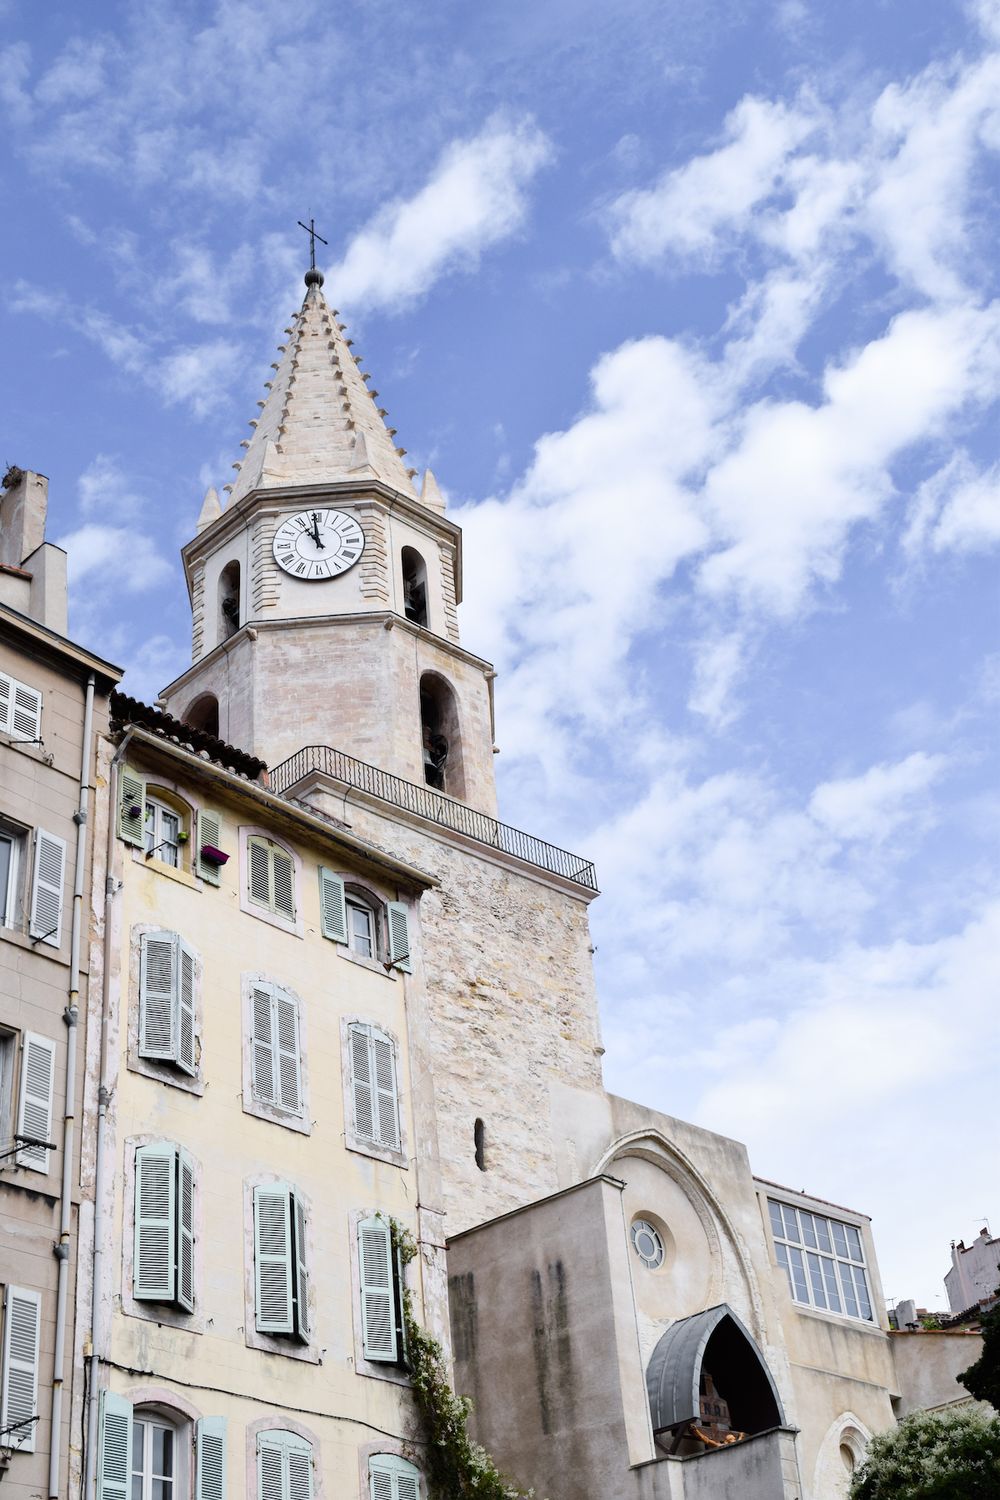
(982, 1379)
(933, 1456)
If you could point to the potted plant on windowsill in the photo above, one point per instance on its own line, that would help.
(213, 856)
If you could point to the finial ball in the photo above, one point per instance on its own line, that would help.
(314, 277)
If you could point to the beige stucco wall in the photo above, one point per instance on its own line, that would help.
(206, 1358)
(928, 1365)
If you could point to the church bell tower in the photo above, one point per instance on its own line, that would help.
(324, 592)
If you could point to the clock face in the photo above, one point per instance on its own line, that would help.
(318, 544)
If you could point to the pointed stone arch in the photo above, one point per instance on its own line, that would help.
(714, 1342)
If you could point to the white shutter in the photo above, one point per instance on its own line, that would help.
(34, 1105)
(185, 1009)
(22, 1321)
(407, 1485)
(392, 1478)
(284, 1467)
(386, 1102)
(301, 1274)
(208, 831)
(378, 1314)
(362, 1084)
(270, 1471)
(332, 906)
(263, 1045)
(47, 887)
(114, 1448)
(259, 872)
(399, 936)
(6, 700)
(286, 1034)
(26, 712)
(131, 807)
(185, 1231)
(273, 1258)
(380, 1480)
(299, 1474)
(210, 1459)
(158, 987)
(154, 1257)
(284, 883)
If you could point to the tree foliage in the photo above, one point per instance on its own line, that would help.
(982, 1379)
(933, 1456)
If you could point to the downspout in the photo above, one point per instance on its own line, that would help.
(71, 1016)
(100, 1161)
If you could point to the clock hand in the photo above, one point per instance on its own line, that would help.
(315, 531)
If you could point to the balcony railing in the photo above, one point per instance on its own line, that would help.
(429, 804)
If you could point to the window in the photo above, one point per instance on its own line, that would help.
(229, 601)
(414, 586)
(20, 709)
(275, 1051)
(163, 1264)
(392, 1478)
(8, 1061)
(284, 1466)
(373, 1086)
(362, 928)
(167, 971)
(162, 828)
(145, 1454)
(647, 1243)
(280, 1280)
(22, 1321)
(441, 739)
(271, 876)
(34, 1105)
(823, 1260)
(12, 847)
(381, 1278)
(48, 869)
(353, 917)
(479, 1144)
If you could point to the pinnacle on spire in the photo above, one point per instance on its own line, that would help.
(430, 494)
(211, 510)
(319, 422)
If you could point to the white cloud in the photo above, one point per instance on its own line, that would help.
(956, 510)
(475, 197)
(126, 559)
(105, 491)
(873, 805)
(197, 376)
(76, 74)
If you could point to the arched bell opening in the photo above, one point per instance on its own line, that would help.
(229, 601)
(441, 740)
(414, 586)
(203, 714)
(708, 1384)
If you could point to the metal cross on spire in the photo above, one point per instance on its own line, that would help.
(310, 230)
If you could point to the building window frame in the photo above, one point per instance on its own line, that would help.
(166, 829)
(395, 1371)
(163, 1070)
(303, 1345)
(15, 837)
(823, 1260)
(253, 1104)
(250, 836)
(353, 1139)
(165, 1313)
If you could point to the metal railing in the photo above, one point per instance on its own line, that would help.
(429, 804)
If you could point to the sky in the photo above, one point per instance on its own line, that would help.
(694, 312)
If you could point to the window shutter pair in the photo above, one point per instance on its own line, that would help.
(281, 1280)
(47, 888)
(114, 1452)
(284, 1467)
(333, 918)
(392, 1478)
(22, 1321)
(373, 1083)
(275, 1048)
(131, 807)
(166, 1000)
(271, 877)
(20, 709)
(163, 1266)
(381, 1275)
(34, 1105)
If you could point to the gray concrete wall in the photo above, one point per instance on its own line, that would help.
(927, 1365)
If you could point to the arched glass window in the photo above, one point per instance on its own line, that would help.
(441, 739)
(166, 828)
(159, 1464)
(414, 586)
(229, 601)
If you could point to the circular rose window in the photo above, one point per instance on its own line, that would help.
(647, 1243)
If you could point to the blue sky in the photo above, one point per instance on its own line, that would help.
(694, 312)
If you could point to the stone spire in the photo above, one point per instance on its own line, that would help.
(319, 422)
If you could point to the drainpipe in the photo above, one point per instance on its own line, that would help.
(71, 1016)
(103, 1095)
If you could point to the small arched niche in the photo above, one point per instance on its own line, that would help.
(708, 1384)
(229, 601)
(414, 586)
(441, 740)
(203, 714)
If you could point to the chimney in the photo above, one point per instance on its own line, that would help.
(22, 515)
(32, 571)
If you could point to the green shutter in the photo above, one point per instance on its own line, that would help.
(283, 876)
(263, 1044)
(159, 981)
(185, 1231)
(362, 1083)
(114, 1448)
(378, 1314)
(272, 1473)
(332, 906)
(284, 1466)
(399, 936)
(301, 1275)
(272, 1228)
(392, 1478)
(131, 795)
(383, 1072)
(289, 1063)
(259, 872)
(155, 1254)
(210, 1459)
(209, 831)
(185, 1009)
